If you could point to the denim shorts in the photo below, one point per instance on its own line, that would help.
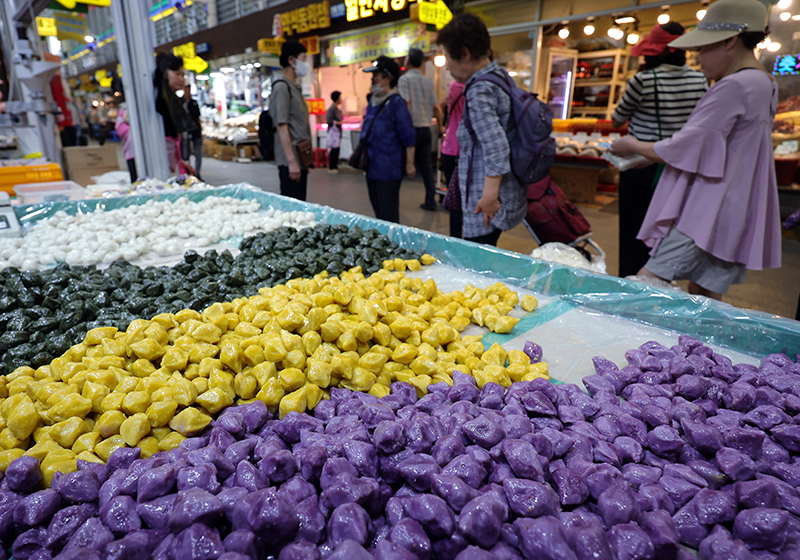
(678, 258)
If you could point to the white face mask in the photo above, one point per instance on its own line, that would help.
(301, 68)
(377, 89)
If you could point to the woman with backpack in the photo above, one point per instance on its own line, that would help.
(492, 199)
(715, 210)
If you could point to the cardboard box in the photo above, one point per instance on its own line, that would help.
(227, 153)
(84, 162)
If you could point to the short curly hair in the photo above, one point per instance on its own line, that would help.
(465, 32)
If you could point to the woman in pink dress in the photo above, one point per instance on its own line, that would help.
(715, 211)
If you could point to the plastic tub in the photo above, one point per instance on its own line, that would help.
(26, 174)
(57, 191)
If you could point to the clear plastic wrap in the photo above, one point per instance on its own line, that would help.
(580, 313)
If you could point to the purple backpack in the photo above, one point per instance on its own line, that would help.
(532, 150)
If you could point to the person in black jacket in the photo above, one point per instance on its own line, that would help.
(266, 136)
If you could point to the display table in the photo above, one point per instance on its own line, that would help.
(580, 314)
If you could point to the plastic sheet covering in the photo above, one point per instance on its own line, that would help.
(580, 314)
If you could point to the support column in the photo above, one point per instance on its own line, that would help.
(135, 45)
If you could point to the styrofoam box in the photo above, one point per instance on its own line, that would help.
(57, 191)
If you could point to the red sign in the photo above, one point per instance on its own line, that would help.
(316, 106)
(311, 44)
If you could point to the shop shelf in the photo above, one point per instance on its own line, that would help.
(25, 174)
(56, 191)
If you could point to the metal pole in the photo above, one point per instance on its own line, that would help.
(536, 48)
(136, 45)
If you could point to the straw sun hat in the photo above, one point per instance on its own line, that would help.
(725, 19)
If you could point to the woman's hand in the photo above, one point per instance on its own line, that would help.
(625, 146)
(488, 206)
(411, 171)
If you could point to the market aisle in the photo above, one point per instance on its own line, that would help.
(772, 291)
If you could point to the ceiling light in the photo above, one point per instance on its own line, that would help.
(249, 66)
(563, 33)
(257, 65)
(215, 75)
(616, 33)
(774, 46)
(783, 4)
(633, 37)
(227, 70)
(512, 74)
(343, 53)
(701, 14)
(622, 20)
(201, 78)
(242, 67)
(663, 18)
(439, 60)
(89, 39)
(398, 43)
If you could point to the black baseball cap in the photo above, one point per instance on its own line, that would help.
(386, 65)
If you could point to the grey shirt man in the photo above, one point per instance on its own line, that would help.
(288, 106)
(415, 88)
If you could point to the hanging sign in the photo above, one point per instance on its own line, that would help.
(305, 19)
(436, 13)
(70, 27)
(316, 106)
(392, 42)
(362, 9)
(311, 44)
(271, 46)
(103, 78)
(46, 26)
(191, 61)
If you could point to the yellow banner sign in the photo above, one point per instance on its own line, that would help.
(271, 46)
(46, 26)
(70, 27)
(191, 61)
(362, 9)
(311, 44)
(393, 42)
(436, 13)
(308, 18)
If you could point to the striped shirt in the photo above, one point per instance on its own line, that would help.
(418, 91)
(679, 90)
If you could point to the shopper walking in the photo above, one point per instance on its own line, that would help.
(454, 108)
(123, 128)
(194, 135)
(715, 210)
(289, 113)
(417, 90)
(657, 103)
(492, 200)
(334, 140)
(387, 129)
(169, 78)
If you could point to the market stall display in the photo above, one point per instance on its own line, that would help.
(474, 455)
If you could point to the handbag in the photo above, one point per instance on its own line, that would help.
(334, 138)
(305, 153)
(452, 198)
(659, 166)
(359, 159)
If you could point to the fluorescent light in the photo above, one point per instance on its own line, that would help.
(774, 46)
(567, 96)
(201, 78)
(215, 75)
(512, 73)
(633, 37)
(89, 39)
(624, 19)
(227, 69)
(398, 43)
(663, 18)
(783, 4)
(563, 33)
(439, 60)
(701, 14)
(588, 29)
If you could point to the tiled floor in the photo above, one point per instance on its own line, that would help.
(773, 291)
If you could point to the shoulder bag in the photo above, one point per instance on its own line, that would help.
(360, 156)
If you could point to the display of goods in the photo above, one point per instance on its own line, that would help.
(678, 448)
(43, 313)
(785, 126)
(789, 104)
(139, 231)
(162, 379)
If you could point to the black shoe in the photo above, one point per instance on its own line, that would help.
(428, 207)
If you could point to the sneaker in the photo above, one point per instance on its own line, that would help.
(333, 171)
(429, 208)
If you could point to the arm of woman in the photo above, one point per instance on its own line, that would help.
(407, 135)
(492, 138)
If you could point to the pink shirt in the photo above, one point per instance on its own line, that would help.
(719, 184)
(450, 142)
(124, 131)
